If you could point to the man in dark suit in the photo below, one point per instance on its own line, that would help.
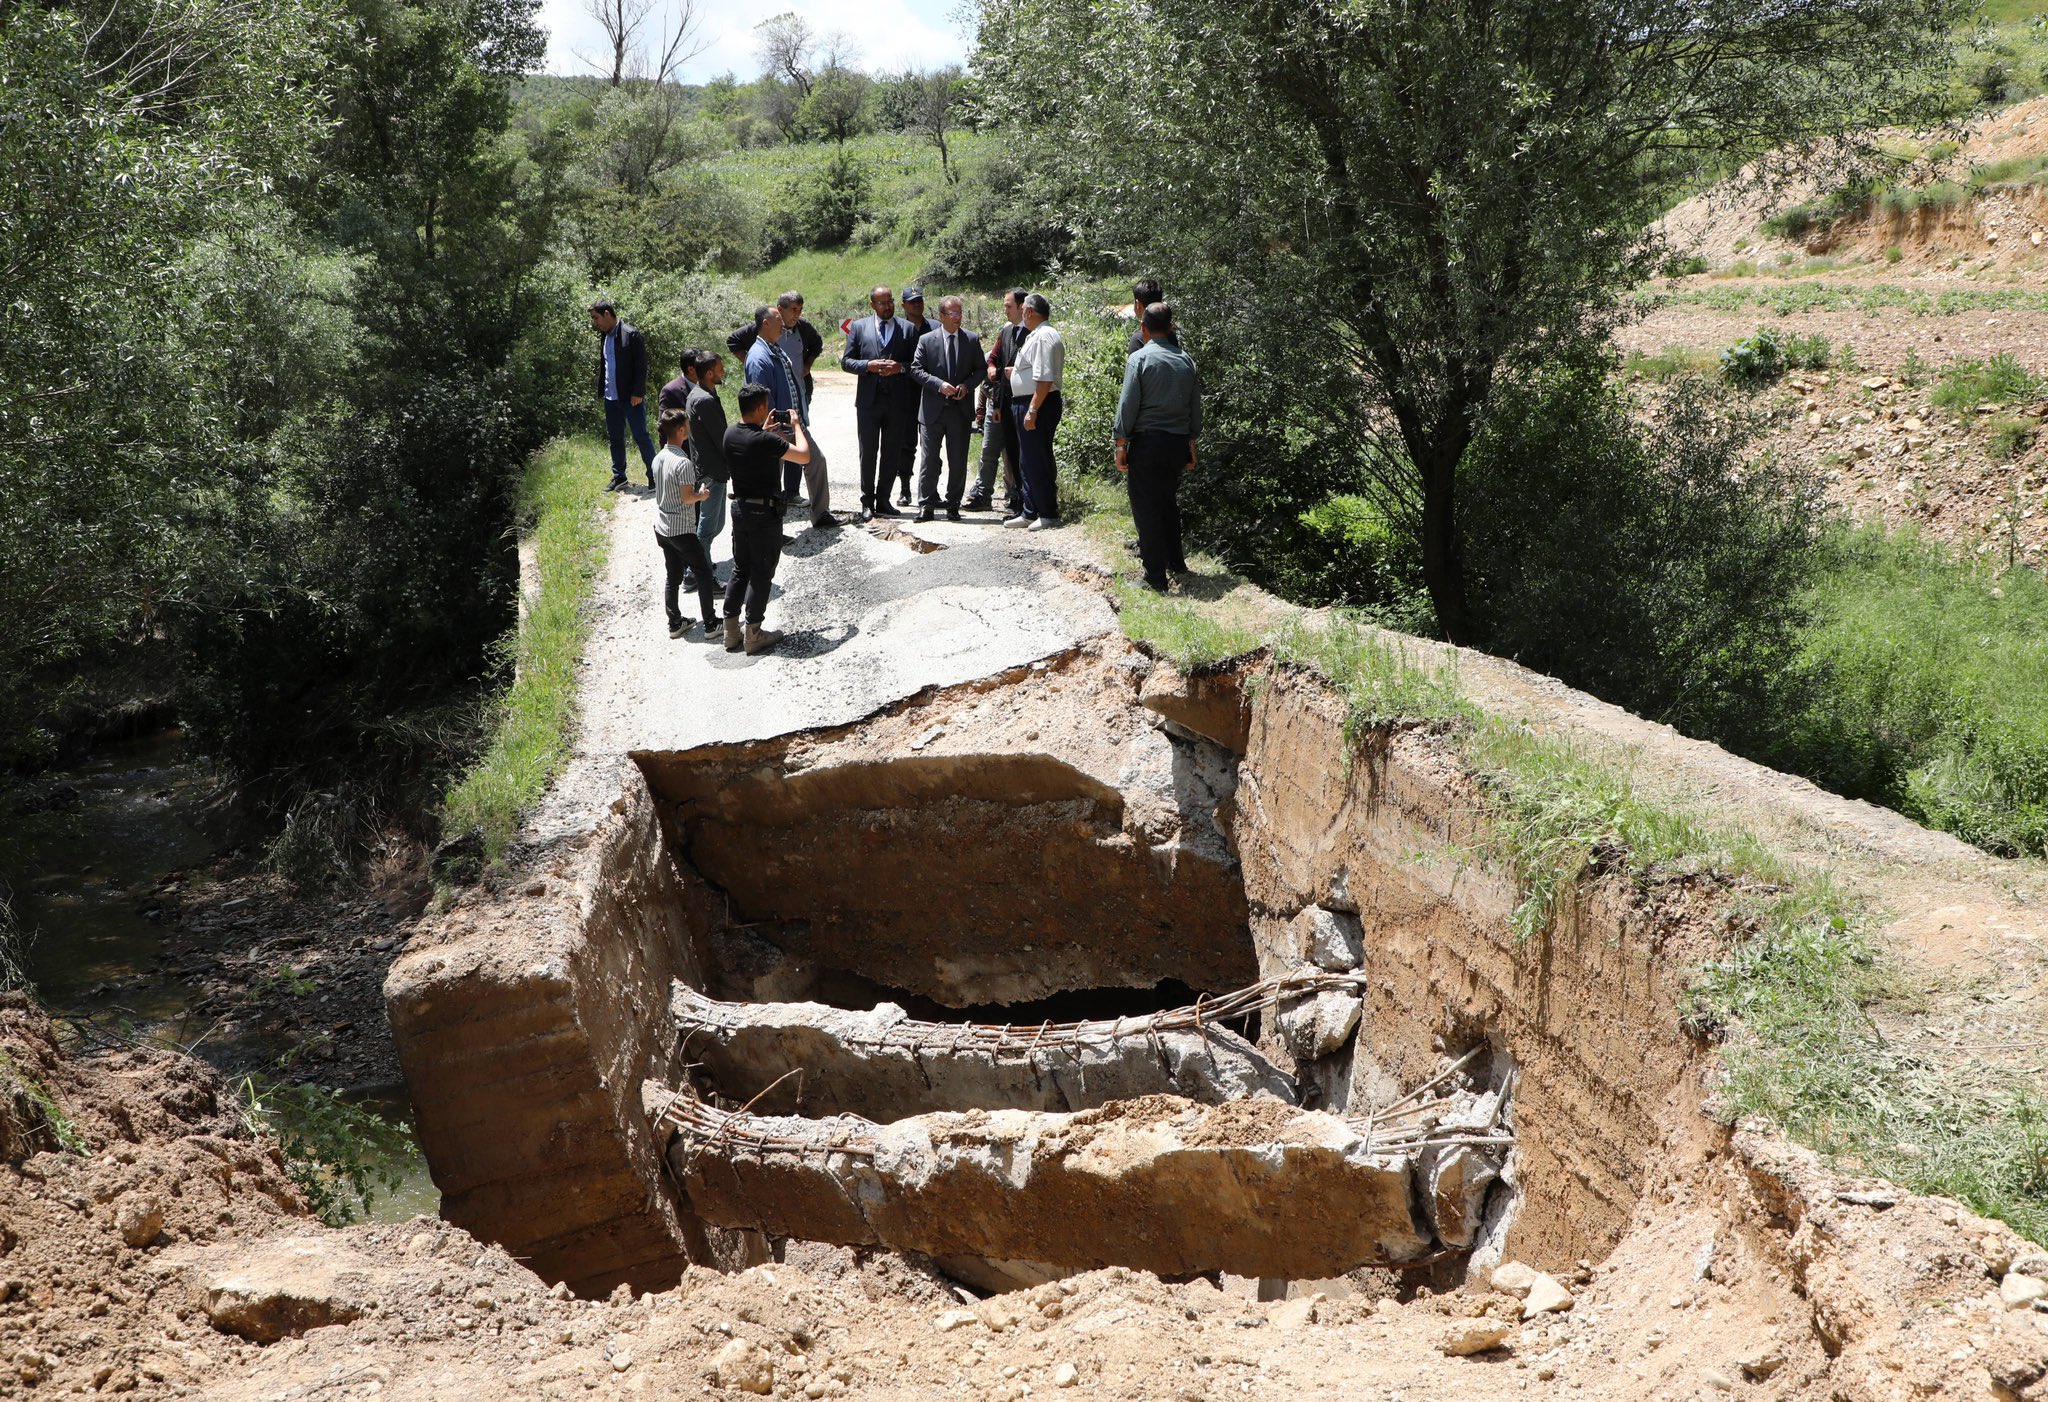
(622, 387)
(920, 327)
(878, 352)
(947, 366)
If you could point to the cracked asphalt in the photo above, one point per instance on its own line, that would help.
(867, 620)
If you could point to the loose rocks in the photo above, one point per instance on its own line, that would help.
(1546, 1296)
(1473, 1336)
(741, 1366)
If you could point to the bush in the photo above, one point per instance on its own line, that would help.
(1004, 219)
(2000, 380)
(822, 212)
(1761, 359)
(1646, 563)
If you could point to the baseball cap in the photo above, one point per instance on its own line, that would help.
(913, 293)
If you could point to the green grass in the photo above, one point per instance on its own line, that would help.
(561, 495)
(2000, 380)
(44, 1112)
(1668, 363)
(836, 282)
(1791, 997)
(1850, 297)
(1936, 675)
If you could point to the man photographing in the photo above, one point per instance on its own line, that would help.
(1158, 419)
(755, 450)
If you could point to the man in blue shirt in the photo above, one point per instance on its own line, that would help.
(622, 386)
(1158, 419)
(768, 364)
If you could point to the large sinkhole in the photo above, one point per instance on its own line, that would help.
(1068, 967)
(990, 1007)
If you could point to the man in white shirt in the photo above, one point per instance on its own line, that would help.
(1037, 403)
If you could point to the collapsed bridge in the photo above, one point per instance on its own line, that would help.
(1164, 1142)
(1085, 964)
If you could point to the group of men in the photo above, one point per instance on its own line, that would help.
(922, 392)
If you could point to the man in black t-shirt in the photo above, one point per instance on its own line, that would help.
(755, 449)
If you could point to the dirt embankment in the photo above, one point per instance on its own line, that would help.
(1906, 289)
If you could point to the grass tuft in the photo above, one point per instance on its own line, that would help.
(2000, 380)
(562, 495)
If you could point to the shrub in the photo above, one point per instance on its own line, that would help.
(1648, 564)
(1005, 218)
(2000, 380)
(1761, 359)
(2009, 438)
(823, 212)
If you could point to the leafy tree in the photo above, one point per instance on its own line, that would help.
(140, 257)
(837, 106)
(935, 102)
(1446, 192)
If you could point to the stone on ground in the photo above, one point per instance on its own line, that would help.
(742, 1366)
(1546, 1296)
(284, 1288)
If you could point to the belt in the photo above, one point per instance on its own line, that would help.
(1026, 398)
(772, 503)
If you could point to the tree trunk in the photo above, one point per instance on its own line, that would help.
(1443, 544)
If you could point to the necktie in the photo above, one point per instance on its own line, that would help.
(952, 355)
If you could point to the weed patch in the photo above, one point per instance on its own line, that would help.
(562, 495)
(2000, 380)
(338, 1153)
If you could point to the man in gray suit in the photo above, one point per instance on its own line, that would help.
(947, 366)
(878, 353)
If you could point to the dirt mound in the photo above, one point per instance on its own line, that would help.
(129, 1153)
(1985, 225)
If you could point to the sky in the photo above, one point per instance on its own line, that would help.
(888, 34)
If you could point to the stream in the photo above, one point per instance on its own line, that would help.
(84, 864)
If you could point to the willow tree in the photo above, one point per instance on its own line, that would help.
(1441, 192)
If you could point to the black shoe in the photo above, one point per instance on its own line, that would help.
(977, 504)
(1157, 586)
(1181, 568)
(677, 629)
(927, 513)
(882, 508)
(952, 513)
(618, 484)
(903, 497)
(867, 513)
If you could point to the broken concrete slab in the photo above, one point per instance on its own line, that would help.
(1254, 1187)
(1209, 704)
(282, 1288)
(789, 1058)
(1318, 1024)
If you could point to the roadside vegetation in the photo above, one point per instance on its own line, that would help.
(562, 508)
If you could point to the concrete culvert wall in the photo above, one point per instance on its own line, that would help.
(1084, 825)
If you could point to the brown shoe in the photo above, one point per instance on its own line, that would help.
(733, 639)
(761, 639)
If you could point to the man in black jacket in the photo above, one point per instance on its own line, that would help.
(707, 441)
(622, 388)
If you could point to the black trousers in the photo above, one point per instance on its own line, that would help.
(888, 436)
(756, 550)
(950, 430)
(1158, 462)
(1034, 448)
(678, 554)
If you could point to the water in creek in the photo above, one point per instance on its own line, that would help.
(83, 869)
